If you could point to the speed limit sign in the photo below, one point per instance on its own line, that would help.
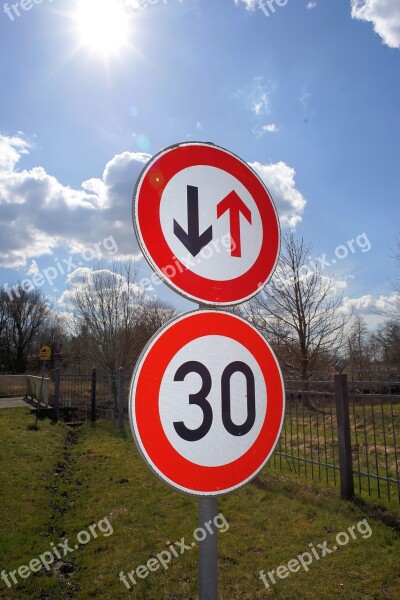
(206, 403)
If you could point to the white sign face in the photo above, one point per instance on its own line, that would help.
(206, 223)
(206, 403)
(236, 234)
(211, 357)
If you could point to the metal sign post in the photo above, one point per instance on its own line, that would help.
(208, 552)
(41, 386)
(207, 400)
(208, 548)
(44, 355)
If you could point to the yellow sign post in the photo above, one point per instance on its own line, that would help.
(44, 355)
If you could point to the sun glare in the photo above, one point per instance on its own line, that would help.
(102, 25)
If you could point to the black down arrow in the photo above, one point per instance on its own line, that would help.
(192, 240)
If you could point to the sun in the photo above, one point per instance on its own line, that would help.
(102, 25)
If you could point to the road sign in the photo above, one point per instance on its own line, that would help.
(206, 403)
(45, 353)
(206, 223)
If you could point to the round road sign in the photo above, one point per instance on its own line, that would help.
(206, 223)
(206, 403)
(45, 353)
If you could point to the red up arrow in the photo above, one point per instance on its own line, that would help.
(235, 205)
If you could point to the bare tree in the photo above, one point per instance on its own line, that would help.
(299, 312)
(154, 314)
(358, 346)
(3, 324)
(54, 334)
(387, 338)
(106, 306)
(114, 318)
(26, 313)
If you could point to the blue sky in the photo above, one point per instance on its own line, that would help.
(307, 92)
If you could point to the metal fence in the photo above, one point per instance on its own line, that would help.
(12, 385)
(82, 397)
(343, 432)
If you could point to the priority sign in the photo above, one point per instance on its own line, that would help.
(206, 403)
(206, 223)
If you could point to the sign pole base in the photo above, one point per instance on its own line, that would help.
(208, 551)
(41, 386)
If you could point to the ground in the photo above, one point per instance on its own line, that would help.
(59, 484)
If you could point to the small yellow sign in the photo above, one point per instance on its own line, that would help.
(45, 353)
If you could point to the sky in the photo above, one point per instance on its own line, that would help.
(306, 92)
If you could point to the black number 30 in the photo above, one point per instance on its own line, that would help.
(200, 399)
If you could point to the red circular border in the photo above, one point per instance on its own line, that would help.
(145, 417)
(148, 193)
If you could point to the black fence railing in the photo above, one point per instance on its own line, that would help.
(341, 430)
(82, 397)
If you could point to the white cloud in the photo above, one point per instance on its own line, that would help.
(271, 128)
(249, 4)
(256, 96)
(338, 285)
(11, 149)
(259, 130)
(285, 274)
(310, 5)
(368, 305)
(33, 269)
(383, 14)
(304, 98)
(84, 277)
(48, 215)
(198, 125)
(280, 180)
(39, 215)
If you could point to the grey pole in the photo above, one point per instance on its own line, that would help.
(121, 416)
(344, 437)
(208, 551)
(93, 397)
(208, 548)
(57, 394)
(41, 386)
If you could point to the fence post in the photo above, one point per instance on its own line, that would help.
(114, 393)
(344, 437)
(121, 415)
(57, 394)
(93, 397)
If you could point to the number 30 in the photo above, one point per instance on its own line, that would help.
(200, 399)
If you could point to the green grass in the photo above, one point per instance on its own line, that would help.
(55, 484)
(375, 438)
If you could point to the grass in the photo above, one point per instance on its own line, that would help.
(375, 437)
(56, 482)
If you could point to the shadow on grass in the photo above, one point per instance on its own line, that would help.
(387, 516)
(123, 434)
(287, 487)
(380, 513)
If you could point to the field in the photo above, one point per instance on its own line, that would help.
(309, 442)
(56, 483)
